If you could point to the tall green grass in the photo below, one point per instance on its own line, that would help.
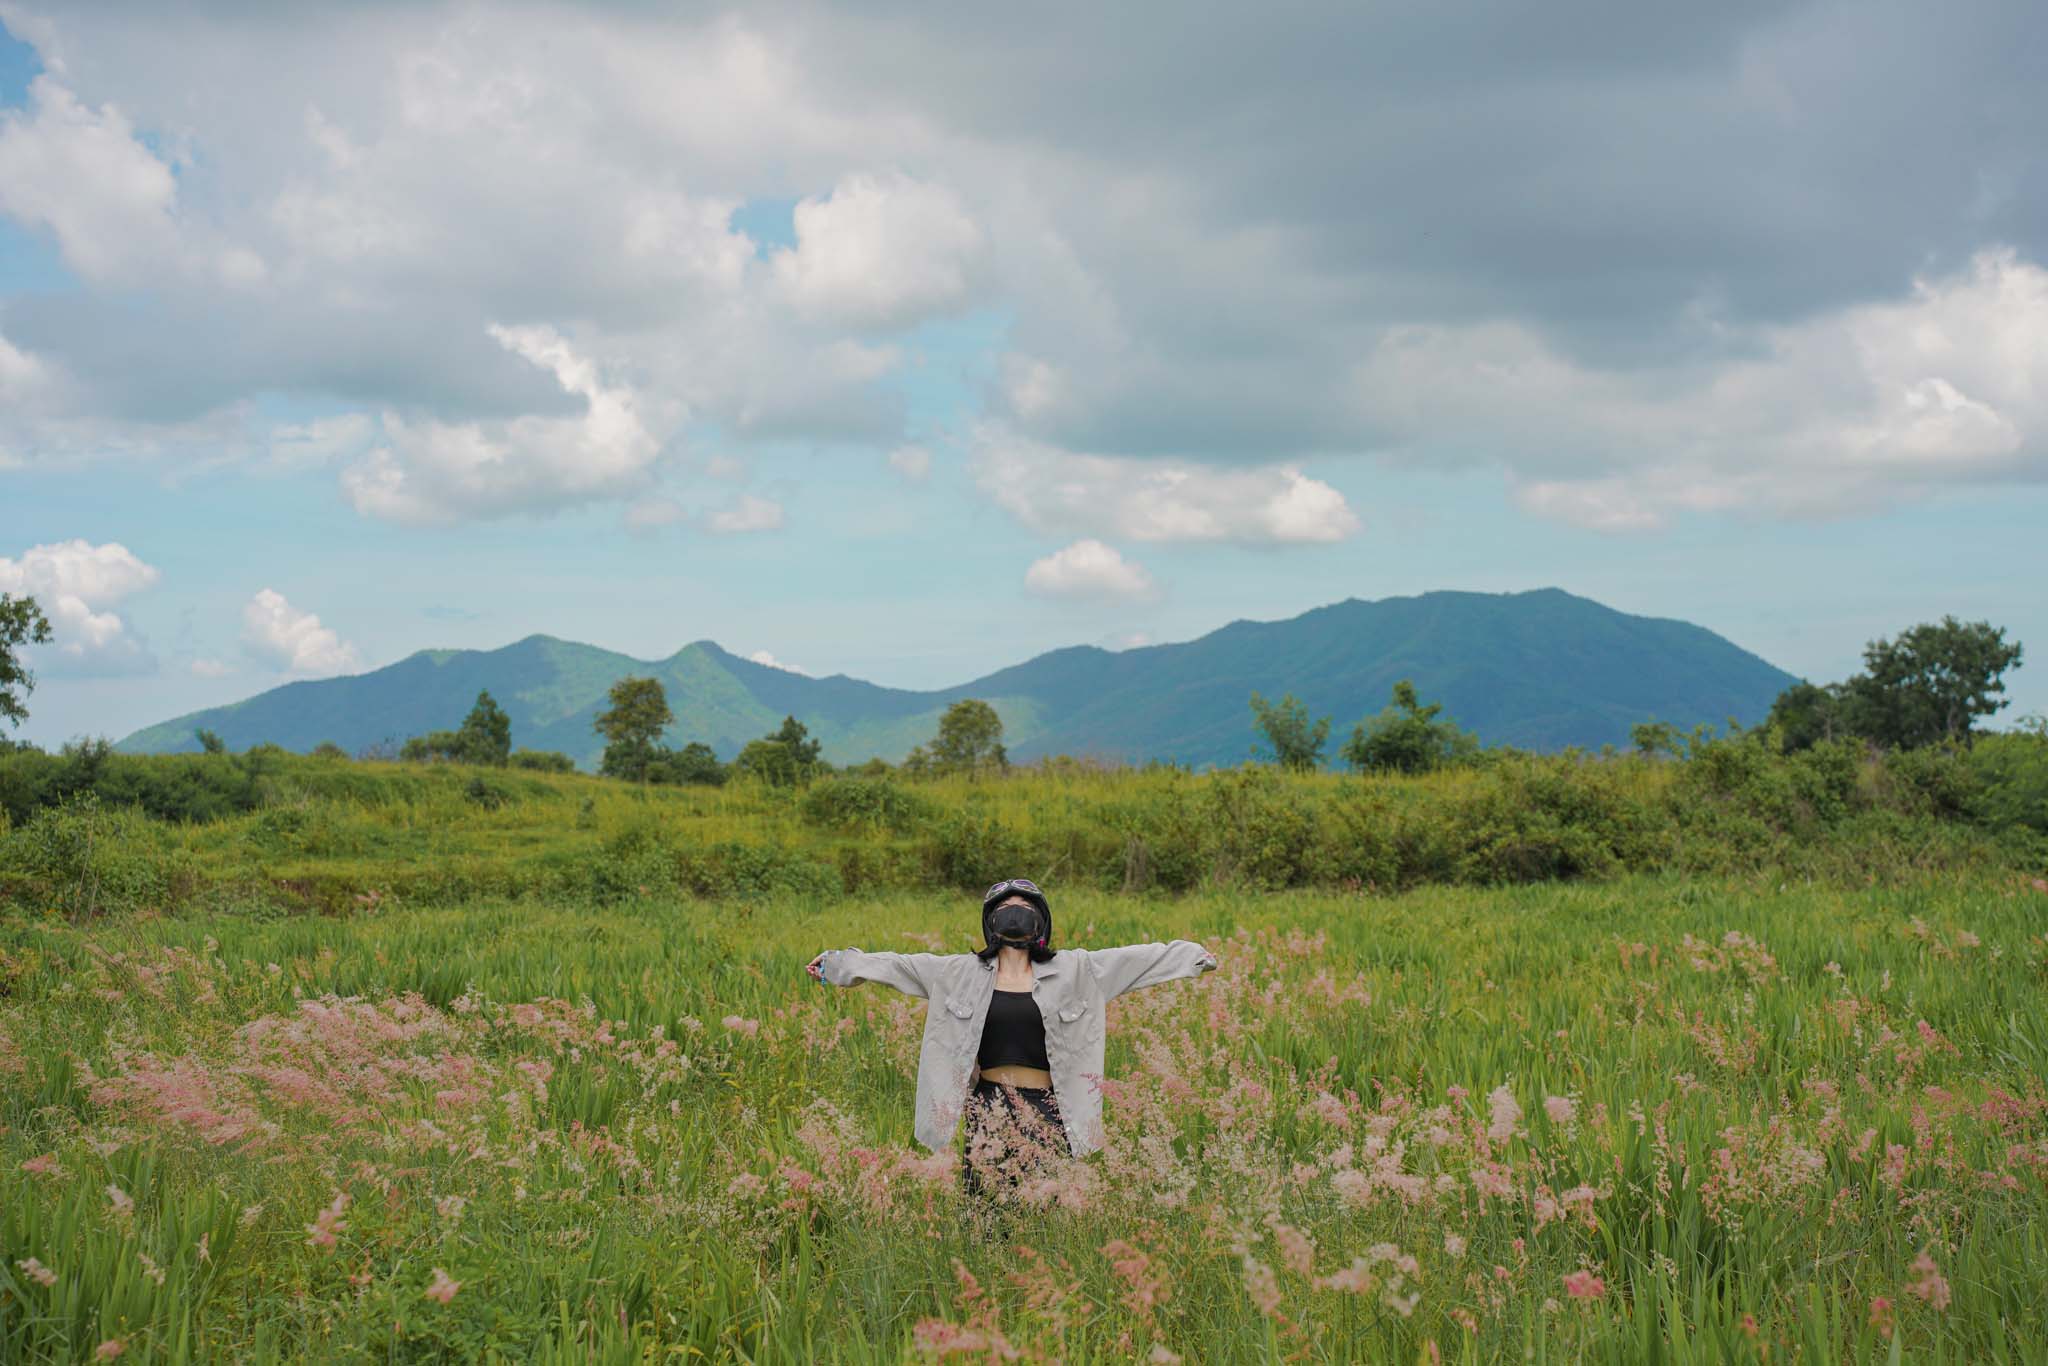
(1787, 1123)
(281, 833)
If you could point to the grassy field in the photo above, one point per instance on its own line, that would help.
(1641, 1120)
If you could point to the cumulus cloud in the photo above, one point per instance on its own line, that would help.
(763, 657)
(1270, 244)
(1152, 500)
(76, 583)
(746, 513)
(1833, 415)
(1088, 569)
(430, 471)
(279, 634)
(881, 252)
(80, 173)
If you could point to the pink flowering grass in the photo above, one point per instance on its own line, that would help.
(1380, 1125)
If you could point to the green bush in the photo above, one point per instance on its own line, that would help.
(2010, 777)
(870, 804)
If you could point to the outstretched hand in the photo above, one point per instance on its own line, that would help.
(816, 967)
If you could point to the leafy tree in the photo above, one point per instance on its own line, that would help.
(21, 623)
(1654, 737)
(1407, 737)
(486, 734)
(327, 749)
(1806, 714)
(970, 739)
(695, 763)
(784, 759)
(210, 742)
(541, 760)
(1296, 744)
(632, 727)
(1932, 684)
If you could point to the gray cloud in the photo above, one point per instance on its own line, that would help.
(1640, 258)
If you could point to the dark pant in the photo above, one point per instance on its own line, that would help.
(1012, 1131)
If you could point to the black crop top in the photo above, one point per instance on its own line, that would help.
(1014, 1032)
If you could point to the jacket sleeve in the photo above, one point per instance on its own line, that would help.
(1147, 965)
(911, 973)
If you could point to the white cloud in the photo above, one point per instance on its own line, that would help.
(75, 582)
(912, 462)
(281, 635)
(881, 251)
(1088, 569)
(763, 657)
(432, 471)
(22, 376)
(1180, 295)
(1056, 490)
(208, 668)
(747, 513)
(1837, 414)
(81, 173)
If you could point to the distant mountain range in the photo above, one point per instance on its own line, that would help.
(1541, 670)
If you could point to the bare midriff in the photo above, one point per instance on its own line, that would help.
(1015, 1074)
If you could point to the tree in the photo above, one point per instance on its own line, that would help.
(1932, 684)
(970, 739)
(1806, 714)
(632, 727)
(1296, 744)
(1407, 737)
(784, 759)
(210, 742)
(21, 623)
(695, 763)
(1652, 738)
(327, 749)
(486, 734)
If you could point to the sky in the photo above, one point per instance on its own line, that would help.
(910, 341)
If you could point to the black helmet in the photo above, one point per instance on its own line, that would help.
(1004, 891)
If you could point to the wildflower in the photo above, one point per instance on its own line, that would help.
(1454, 1244)
(320, 1233)
(1881, 1314)
(443, 1289)
(1561, 1109)
(46, 1165)
(1584, 1285)
(1932, 1285)
(1506, 1114)
(251, 1213)
(741, 1025)
(449, 1207)
(109, 1349)
(122, 1202)
(1162, 1357)
(37, 1272)
(150, 1267)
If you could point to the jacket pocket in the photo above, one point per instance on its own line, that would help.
(1072, 1012)
(959, 1009)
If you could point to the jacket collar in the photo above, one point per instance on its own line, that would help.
(1051, 967)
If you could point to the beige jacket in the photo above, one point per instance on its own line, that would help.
(1071, 988)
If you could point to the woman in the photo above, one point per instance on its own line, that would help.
(1015, 1031)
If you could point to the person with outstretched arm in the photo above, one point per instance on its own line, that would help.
(1014, 1030)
